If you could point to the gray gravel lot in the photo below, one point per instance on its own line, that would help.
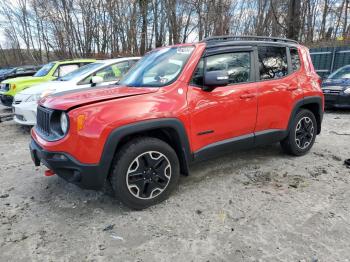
(257, 205)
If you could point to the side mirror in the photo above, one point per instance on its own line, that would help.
(215, 79)
(96, 80)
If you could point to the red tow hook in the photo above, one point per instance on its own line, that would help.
(49, 173)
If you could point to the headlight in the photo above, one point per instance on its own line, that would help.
(32, 98)
(347, 91)
(64, 122)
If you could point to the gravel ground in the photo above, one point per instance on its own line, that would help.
(257, 205)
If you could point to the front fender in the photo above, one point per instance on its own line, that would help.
(113, 141)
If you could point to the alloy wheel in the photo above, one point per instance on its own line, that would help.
(304, 132)
(148, 175)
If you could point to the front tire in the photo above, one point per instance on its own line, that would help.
(145, 172)
(302, 134)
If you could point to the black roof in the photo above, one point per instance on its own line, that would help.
(244, 40)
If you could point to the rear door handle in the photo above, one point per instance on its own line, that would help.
(247, 96)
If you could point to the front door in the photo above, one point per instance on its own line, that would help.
(226, 112)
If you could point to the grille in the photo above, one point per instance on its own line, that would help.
(43, 120)
(333, 90)
(327, 91)
(16, 102)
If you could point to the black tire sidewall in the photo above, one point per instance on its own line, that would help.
(124, 158)
(293, 145)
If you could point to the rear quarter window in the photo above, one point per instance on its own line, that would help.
(295, 59)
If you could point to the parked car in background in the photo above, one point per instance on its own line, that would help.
(100, 73)
(336, 88)
(5, 70)
(177, 105)
(10, 87)
(18, 72)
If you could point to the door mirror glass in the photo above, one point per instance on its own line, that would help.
(214, 79)
(96, 80)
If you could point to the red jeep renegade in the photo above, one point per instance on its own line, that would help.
(177, 105)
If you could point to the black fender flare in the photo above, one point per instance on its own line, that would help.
(304, 102)
(114, 138)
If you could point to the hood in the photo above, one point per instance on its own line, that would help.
(336, 82)
(74, 98)
(19, 80)
(39, 88)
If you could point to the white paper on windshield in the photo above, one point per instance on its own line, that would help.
(184, 50)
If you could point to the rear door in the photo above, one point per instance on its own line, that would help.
(226, 112)
(278, 89)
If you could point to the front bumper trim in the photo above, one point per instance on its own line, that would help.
(86, 176)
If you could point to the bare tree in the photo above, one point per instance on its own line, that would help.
(37, 31)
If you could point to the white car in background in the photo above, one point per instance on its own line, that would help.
(100, 73)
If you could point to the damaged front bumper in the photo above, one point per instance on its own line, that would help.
(83, 175)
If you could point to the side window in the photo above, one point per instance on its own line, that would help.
(121, 68)
(109, 73)
(272, 62)
(132, 62)
(237, 65)
(62, 70)
(197, 78)
(27, 69)
(294, 55)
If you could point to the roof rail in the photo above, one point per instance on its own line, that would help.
(253, 38)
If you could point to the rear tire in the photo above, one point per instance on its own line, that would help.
(145, 172)
(302, 134)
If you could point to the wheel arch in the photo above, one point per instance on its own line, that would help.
(170, 130)
(314, 104)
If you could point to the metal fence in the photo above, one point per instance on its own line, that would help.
(328, 59)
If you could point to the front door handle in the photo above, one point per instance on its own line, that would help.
(247, 96)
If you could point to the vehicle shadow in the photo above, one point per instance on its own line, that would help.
(340, 111)
(25, 129)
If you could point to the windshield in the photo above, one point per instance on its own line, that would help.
(45, 69)
(158, 68)
(81, 71)
(343, 72)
